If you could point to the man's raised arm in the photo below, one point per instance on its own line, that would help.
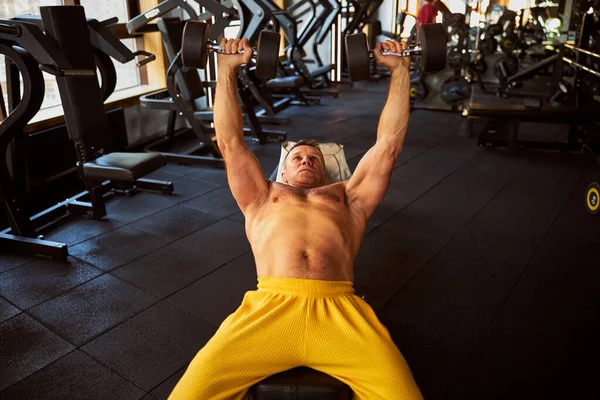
(244, 173)
(368, 185)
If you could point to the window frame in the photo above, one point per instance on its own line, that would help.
(155, 72)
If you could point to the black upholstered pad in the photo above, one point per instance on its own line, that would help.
(302, 384)
(321, 70)
(123, 166)
(286, 82)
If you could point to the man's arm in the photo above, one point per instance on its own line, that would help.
(244, 173)
(368, 185)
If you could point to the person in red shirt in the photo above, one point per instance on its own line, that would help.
(427, 14)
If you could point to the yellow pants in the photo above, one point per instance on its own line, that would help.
(291, 322)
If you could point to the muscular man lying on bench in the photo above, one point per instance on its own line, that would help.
(305, 235)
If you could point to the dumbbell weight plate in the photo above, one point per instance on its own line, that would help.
(495, 29)
(418, 91)
(508, 44)
(511, 65)
(592, 198)
(194, 52)
(479, 65)
(455, 90)
(357, 57)
(456, 58)
(194, 49)
(267, 54)
(433, 40)
(487, 46)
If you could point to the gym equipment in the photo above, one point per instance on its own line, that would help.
(455, 90)
(85, 117)
(306, 84)
(196, 45)
(432, 49)
(300, 383)
(592, 198)
(223, 12)
(106, 45)
(487, 46)
(506, 67)
(594, 61)
(418, 90)
(64, 50)
(509, 43)
(22, 235)
(495, 29)
(184, 92)
(479, 65)
(290, 20)
(457, 59)
(364, 12)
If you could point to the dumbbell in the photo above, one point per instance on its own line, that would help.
(196, 45)
(431, 48)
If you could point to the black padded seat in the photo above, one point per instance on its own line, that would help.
(123, 166)
(286, 82)
(205, 115)
(321, 70)
(300, 383)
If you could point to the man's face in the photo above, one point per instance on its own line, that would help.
(304, 167)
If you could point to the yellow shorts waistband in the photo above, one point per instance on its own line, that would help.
(305, 287)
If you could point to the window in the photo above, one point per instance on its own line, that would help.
(14, 8)
(128, 74)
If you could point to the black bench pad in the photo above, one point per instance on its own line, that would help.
(287, 82)
(123, 166)
(321, 70)
(300, 384)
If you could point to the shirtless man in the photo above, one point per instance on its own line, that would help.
(305, 235)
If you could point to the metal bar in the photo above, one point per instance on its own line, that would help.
(33, 246)
(569, 46)
(583, 67)
(411, 50)
(217, 49)
(9, 29)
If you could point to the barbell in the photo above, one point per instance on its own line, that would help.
(196, 45)
(431, 48)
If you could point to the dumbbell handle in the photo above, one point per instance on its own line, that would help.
(217, 49)
(410, 51)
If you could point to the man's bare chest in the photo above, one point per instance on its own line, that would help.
(333, 196)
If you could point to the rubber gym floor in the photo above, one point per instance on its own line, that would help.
(483, 264)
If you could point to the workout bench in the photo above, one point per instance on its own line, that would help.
(502, 127)
(300, 383)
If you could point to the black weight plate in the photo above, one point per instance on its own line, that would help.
(357, 57)
(494, 29)
(418, 91)
(592, 198)
(194, 50)
(480, 66)
(455, 90)
(487, 46)
(508, 43)
(510, 64)
(267, 54)
(456, 58)
(433, 40)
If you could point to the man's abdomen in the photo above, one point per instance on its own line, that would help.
(303, 245)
